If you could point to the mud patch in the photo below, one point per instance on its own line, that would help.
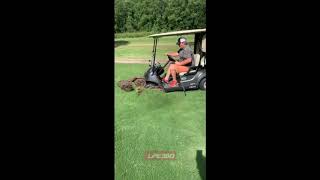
(138, 84)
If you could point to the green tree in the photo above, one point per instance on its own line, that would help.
(159, 15)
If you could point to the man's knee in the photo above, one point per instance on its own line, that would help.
(172, 66)
(173, 70)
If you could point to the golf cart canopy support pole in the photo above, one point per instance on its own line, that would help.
(154, 51)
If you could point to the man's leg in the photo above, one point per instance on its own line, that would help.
(174, 74)
(167, 67)
(169, 71)
(177, 69)
(180, 69)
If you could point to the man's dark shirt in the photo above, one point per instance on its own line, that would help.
(185, 53)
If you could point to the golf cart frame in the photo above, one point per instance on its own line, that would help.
(195, 78)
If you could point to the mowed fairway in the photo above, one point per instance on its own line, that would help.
(155, 120)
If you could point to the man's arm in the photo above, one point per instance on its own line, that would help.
(172, 54)
(186, 61)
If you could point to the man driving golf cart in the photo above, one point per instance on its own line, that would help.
(186, 74)
(186, 60)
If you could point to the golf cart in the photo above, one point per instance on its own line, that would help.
(195, 78)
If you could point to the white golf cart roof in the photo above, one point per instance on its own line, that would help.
(192, 31)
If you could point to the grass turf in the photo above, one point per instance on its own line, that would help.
(158, 121)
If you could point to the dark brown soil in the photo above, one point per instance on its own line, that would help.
(125, 85)
(136, 83)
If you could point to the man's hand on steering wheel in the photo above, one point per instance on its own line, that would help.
(178, 63)
(171, 58)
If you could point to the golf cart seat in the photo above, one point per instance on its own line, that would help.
(203, 49)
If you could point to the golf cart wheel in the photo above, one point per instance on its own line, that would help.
(203, 84)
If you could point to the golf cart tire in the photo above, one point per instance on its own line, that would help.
(202, 84)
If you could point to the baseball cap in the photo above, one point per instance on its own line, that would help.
(181, 39)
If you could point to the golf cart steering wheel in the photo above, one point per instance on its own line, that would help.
(171, 58)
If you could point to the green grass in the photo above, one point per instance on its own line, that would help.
(141, 47)
(157, 121)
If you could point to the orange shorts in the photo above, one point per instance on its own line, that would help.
(180, 69)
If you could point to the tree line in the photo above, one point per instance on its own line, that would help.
(159, 15)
